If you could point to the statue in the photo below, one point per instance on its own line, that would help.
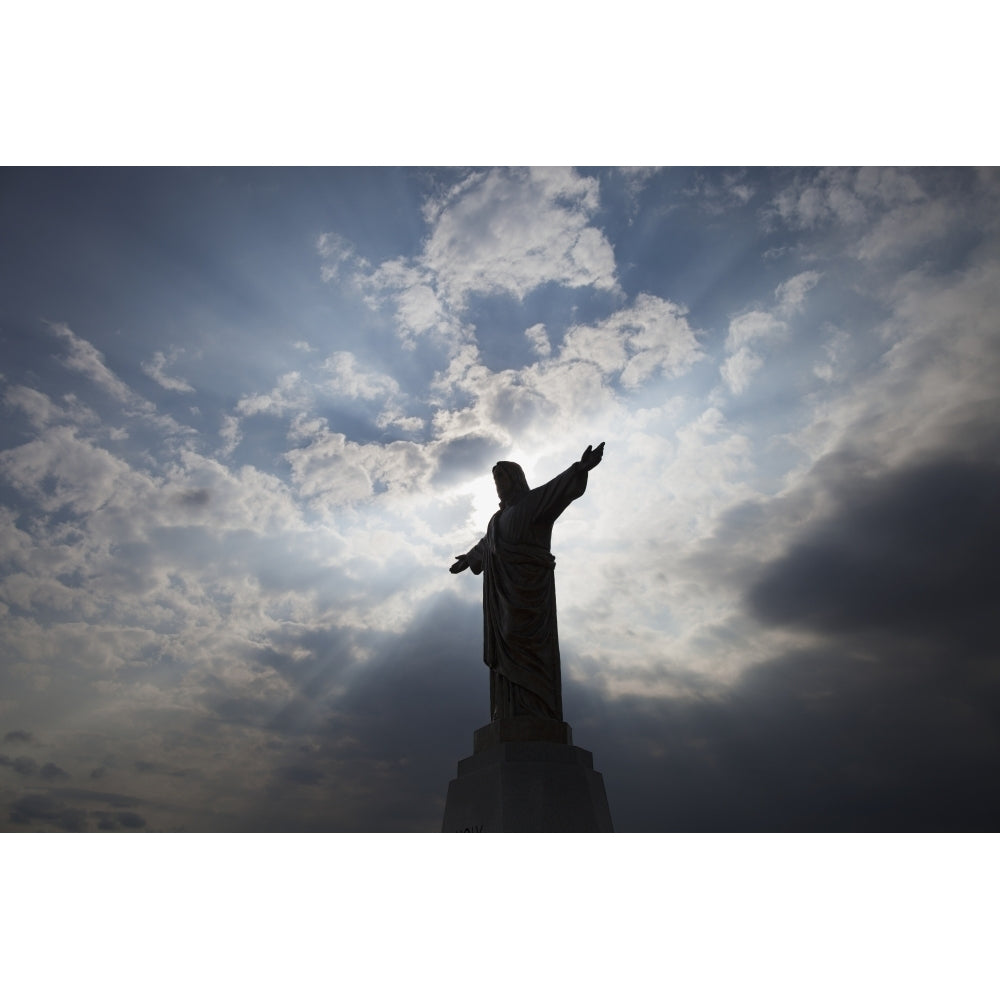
(520, 639)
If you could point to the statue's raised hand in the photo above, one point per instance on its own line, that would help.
(592, 457)
(459, 564)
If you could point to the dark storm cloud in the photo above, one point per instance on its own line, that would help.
(46, 811)
(73, 810)
(52, 772)
(916, 551)
(112, 799)
(18, 736)
(149, 767)
(464, 455)
(26, 766)
(300, 774)
(131, 820)
(836, 739)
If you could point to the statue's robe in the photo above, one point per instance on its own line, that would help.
(520, 637)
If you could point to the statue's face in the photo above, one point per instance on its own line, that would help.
(503, 483)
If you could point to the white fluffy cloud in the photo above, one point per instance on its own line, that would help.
(511, 231)
(651, 337)
(499, 231)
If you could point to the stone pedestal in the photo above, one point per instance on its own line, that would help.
(525, 776)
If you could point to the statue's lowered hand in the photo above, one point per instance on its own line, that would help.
(459, 564)
(592, 457)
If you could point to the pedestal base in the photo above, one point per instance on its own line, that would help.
(527, 787)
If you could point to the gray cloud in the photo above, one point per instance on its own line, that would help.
(62, 810)
(48, 812)
(52, 772)
(915, 550)
(112, 799)
(149, 767)
(889, 737)
(21, 765)
(462, 455)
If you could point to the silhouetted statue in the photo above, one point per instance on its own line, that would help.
(520, 638)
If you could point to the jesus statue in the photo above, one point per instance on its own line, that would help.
(520, 639)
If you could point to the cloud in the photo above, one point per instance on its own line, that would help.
(932, 387)
(509, 231)
(150, 767)
(651, 337)
(291, 393)
(831, 739)
(38, 407)
(230, 433)
(717, 195)
(52, 772)
(125, 820)
(500, 232)
(636, 178)
(83, 357)
(155, 370)
(753, 331)
(337, 470)
(58, 469)
(848, 197)
(913, 551)
(348, 378)
(25, 766)
(47, 812)
(341, 380)
(461, 455)
(336, 253)
(892, 215)
(739, 368)
(62, 810)
(791, 294)
(539, 340)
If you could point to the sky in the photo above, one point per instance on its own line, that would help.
(249, 417)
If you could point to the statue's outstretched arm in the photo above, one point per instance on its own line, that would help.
(473, 559)
(591, 458)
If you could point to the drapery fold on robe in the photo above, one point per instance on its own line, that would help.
(520, 633)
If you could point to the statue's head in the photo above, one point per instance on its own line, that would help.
(510, 482)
